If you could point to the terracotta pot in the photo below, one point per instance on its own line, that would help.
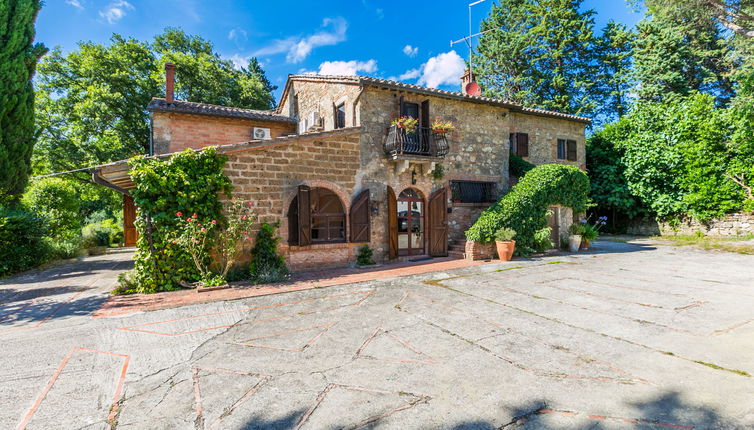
(585, 244)
(574, 242)
(505, 249)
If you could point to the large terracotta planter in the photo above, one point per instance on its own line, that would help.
(574, 242)
(585, 244)
(505, 249)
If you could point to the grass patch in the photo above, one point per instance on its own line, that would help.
(716, 367)
(727, 244)
(509, 268)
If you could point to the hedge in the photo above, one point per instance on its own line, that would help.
(524, 208)
(21, 241)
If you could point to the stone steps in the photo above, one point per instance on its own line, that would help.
(457, 249)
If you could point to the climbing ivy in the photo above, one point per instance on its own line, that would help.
(190, 182)
(517, 166)
(524, 208)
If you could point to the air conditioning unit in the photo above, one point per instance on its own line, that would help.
(260, 133)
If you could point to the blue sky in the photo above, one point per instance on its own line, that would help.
(409, 41)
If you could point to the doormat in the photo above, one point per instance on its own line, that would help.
(415, 260)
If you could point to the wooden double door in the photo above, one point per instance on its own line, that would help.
(415, 226)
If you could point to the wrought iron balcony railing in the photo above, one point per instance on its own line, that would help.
(423, 142)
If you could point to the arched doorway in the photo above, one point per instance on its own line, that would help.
(411, 220)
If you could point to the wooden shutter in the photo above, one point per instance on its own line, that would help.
(425, 121)
(522, 144)
(402, 107)
(392, 227)
(438, 223)
(572, 156)
(304, 216)
(129, 216)
(359, 218)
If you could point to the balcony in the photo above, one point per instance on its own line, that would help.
(423, 143)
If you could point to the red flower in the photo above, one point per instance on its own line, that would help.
(214, 222)
(194, 216)
(178, 214)
(188, 219)
(250, 203)
(243, 217)
(204, 229)
(248, 238)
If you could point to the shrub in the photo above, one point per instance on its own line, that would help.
(505, 234)
(518, 167)
(364, 258)
(57, 200)
(102, 233)
(189, 182)
(266, 265)
(524, 208)
(542, 240)
(21, 241)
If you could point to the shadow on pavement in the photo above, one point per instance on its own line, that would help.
(287, 422)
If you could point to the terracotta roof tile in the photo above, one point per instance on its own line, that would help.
(162, 105)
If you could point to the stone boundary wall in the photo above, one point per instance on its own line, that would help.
(731, 225)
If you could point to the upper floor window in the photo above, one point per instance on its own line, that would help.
(567, 150)
(340, 116)
(519, 143)
(472, 191)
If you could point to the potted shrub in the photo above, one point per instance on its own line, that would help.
(505, 243)
(407, 123)
(574, 239)
(591, 231)
(441, 127)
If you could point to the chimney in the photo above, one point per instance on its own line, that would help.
(169, 82)
(469, 86)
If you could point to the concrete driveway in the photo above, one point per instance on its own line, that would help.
(629, 336)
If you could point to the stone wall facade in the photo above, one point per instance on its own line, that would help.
(543, 138)
(269, 175)
(174, 132)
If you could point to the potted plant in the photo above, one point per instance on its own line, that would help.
(591, 231)
(574, 239)
(441, 127)
(407, 123)
(505, 243)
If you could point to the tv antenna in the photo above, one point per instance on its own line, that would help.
(468, 39)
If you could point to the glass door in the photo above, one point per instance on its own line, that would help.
(410, 223)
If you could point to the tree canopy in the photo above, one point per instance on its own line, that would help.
(91, 101)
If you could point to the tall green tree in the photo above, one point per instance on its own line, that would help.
(614, 79)
(735, 15)
(539, 54)
(680, 52)
(91, 101)
(18, 62)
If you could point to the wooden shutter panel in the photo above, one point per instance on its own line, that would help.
(392, 217)
(359, 218)
(522, 144)
(402, 107)
(572, 156)
(304, 216)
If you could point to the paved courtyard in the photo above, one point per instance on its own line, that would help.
(629, 336)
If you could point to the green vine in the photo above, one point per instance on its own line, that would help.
(524, 208)
(438, 172)
(518, 167)
(190, 182)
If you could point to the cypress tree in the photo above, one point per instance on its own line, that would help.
(18, 61)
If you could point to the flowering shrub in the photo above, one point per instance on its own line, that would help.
(407, 123)
(590, 231)
(442, 127)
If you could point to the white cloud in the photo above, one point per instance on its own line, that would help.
(240, 61)
(115, 11)
(238, 34)
(298, 48)
(444, 69)
(352, 67)
(410, 74)
(75, 3)
(410, 51)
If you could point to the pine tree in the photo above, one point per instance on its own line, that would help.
(614, 57)
(18, 61)
(538, 54)
(679, 53)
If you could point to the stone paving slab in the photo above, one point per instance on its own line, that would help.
(628, 336)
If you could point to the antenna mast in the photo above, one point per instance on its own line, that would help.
(468, 39)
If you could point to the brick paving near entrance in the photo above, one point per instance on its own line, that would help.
(628, 336)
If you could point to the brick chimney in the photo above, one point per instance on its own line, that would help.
(469, 86)
(169, 82)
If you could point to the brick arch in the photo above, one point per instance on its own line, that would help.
(425, 189)
(339, 191)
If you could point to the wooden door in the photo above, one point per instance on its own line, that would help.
(392, 228)
(553, 221)
(438, 223)
(129, 216)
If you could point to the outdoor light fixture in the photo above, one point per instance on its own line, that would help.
(413, 176)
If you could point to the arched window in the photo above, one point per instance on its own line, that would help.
(316, 215)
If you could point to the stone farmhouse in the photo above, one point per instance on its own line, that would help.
(329, 166)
